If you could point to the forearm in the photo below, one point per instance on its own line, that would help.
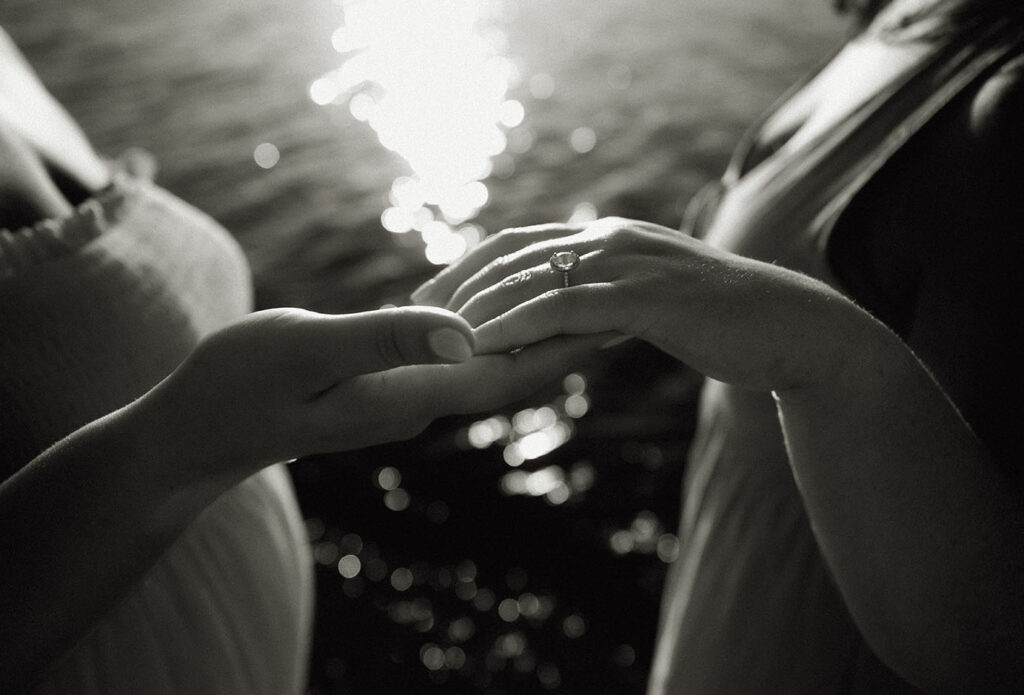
(82, 523)
(921, 531)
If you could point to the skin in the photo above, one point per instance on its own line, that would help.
(926, 552)
(86, 519)
(275, 385)
(36, 133)
(911, 511)
(905, 447)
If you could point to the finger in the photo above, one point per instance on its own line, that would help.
(399, 403)
(439, 290)
(506, 378)
(616, 242)
(372, 341)
(490, 301)
(588, 309)
(532, 261)
(493, 381)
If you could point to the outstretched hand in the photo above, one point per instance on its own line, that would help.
(730, 317)
(286, 382)
(275, 385)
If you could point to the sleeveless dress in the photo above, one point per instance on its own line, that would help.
(749, 605)
(95, 309)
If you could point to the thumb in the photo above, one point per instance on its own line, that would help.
(373, 341)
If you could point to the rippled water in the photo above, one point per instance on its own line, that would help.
(662, 87)
(475, 559)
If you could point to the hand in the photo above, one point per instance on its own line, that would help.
(275, 385)
(730, 317)
(284, 383)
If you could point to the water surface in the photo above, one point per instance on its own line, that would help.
(442, 567)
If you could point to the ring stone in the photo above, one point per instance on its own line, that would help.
(564, 262)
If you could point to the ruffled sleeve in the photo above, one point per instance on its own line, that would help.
(50, 239)
(96, 308)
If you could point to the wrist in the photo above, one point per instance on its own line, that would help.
(853, 353)
(180, 442)
(826, 338)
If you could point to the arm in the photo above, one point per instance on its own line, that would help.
(922, 531)
(84, 521)
(81, 524)
(960, 477)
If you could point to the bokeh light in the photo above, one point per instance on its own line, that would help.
(624, 655)
(397, 500)
(574, 626)
(389, 478)
(541, 86)
(266, 155)
(532, 433)
(349, 566)
(583, 139)
(401, 579)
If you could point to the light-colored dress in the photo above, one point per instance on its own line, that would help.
(95, 309)
(750, 606)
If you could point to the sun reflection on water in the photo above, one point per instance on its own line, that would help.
(532, 433)
(431, 78)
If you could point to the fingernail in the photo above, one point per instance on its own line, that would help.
(422, 291)
(449, 345)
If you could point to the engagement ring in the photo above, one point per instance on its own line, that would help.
(564, 262)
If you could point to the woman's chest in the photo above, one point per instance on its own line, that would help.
(804, 157)
(858, 72)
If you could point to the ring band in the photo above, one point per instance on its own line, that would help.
(564, 262)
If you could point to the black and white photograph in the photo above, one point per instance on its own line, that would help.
(511, 347)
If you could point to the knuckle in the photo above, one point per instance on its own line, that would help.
(504, 330)
(551, 297)
(618, 238)
(497, 264)
(389, 344)
(613, 220)
(521, 277)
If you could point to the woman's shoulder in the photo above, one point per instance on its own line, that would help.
(34, 116)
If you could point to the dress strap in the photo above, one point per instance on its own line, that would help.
(882, 127)
(796, 195)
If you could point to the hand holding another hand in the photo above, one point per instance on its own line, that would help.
(730, 317)
(283, 383)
